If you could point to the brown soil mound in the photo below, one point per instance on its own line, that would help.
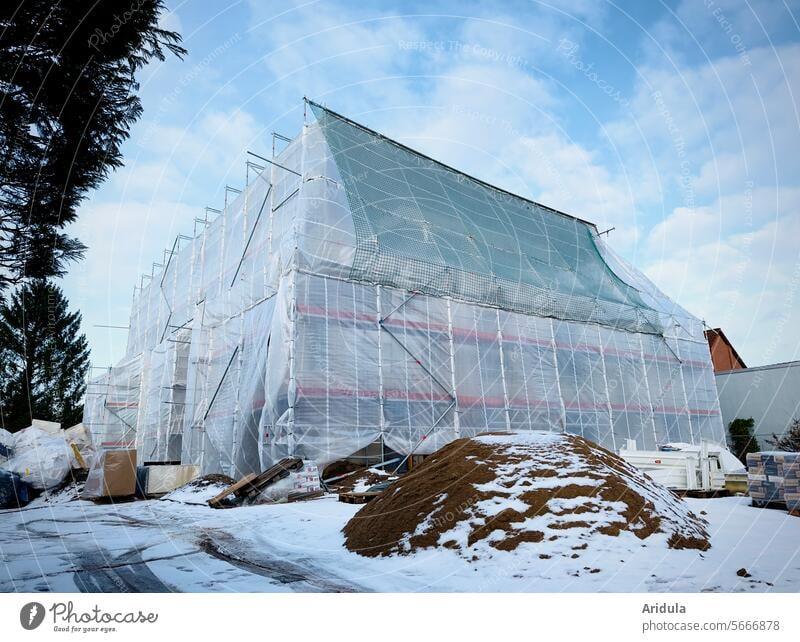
(503, 490)
(340, 467)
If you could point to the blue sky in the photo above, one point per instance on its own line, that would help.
(676, 123)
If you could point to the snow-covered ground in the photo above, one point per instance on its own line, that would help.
(173, 546)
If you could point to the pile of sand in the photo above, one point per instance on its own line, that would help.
(504, 490)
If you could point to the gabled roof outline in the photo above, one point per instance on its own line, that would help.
(447, 167)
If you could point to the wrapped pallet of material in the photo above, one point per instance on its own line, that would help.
(765, 476)
(113, 474)
(791, 485)
(161, 479)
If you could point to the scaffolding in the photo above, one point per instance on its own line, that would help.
(355, 290)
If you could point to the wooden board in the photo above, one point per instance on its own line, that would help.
(704, 494)
(273, 474)
(358, 498)
(232, 489)
(251, 485)
(79, 457)
(301, 497)
(776, 505)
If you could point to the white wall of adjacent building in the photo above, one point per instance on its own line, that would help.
(768, 394)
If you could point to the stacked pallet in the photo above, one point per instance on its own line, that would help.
(766, 472)
(791, 486)
(252, 485)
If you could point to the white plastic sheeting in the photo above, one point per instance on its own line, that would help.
(111, 408)
(42, 459)
(259, 340)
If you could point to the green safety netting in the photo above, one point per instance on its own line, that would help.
(423, 226)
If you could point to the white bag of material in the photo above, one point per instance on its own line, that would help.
(6, 444)
(303, 480)
(79, 436)
(7, 438)
(42, 460)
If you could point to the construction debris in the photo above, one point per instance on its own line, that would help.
(68, 490)
(497, 492)
(359, 497)
(199, 491)
(304, 496)
(301, 482)
(236, 489)
(251, 486)
(6, 445)
(81, 442)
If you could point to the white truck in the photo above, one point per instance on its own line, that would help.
(685, 467)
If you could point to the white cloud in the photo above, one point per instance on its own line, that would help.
(745, 282)
(124, 239)
(213, 141)
(722, 138)
(701, 179)
(166, 182)
(723, 122)
(353, 54)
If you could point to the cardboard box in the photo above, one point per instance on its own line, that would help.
(113, 474)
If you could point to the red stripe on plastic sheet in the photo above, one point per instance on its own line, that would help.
(490, 337)
(466, 401)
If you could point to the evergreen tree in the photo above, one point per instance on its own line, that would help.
(68, 84)
(742, 439)
(44, 358)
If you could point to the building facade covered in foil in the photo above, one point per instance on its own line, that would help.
(357, 291)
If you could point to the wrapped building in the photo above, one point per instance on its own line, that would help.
(357, 291)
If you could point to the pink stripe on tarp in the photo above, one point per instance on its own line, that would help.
(466, 401)
(492, 337)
